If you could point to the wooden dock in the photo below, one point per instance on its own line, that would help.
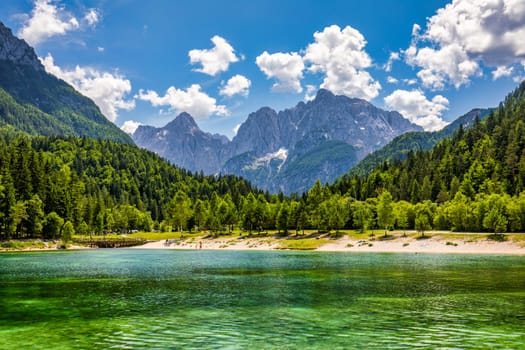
(111, 243)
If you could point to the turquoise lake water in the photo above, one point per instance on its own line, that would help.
(164, 299)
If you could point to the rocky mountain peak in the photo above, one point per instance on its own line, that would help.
(183, 122)
(286, 150)
(260, 133)
(263, 112)
(324, 95)
(17, 50)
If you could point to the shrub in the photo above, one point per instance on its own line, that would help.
(498, 237)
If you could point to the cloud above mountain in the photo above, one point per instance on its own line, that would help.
(215, 60)
(414, 106)
(465, 36)
(108, 90)
(49, 19)
(192, 100)
(236, 85)
(339, 54)
(286, 68)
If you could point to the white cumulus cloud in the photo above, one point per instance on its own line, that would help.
(216, 59)
(310, 92)
(394, 56)
(464, 36)
(49, 19)
(415, 106)
(130, 126)
(439, 66)
(192, 100)
(392, 80)
(502, 71)
(340, 55)
(107, 90)
(92, 17)
(286, 68)
(238, 84)
(518, 79)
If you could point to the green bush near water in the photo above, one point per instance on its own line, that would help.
(498, 237)
(19, 245)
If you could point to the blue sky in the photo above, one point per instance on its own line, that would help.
(220, 60)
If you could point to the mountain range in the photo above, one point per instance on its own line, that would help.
(285, 151)
(399, 147)
(38, 103)
(282, 151)
(469, 180)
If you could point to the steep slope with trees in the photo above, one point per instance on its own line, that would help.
(399, 147)
(38, 103)
(474, 180)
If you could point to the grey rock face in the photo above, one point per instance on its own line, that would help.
(184, 144)
(282, 151)
(353, 121)
(260, 134)
(322, 139)
(17, 50)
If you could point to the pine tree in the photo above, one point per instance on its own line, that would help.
(180, 210)
(52, 225)
(385, 211)
(35, 217)
(7, 205)
(67, 233)
(315, 198)
(283, 218)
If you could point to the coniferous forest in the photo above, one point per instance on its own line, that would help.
(472, 181)
(98, 186)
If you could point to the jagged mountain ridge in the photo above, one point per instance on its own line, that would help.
(33, 101)
(282, 151)
(188, 145)
(16, 50)
(351, 120)
(399, 147)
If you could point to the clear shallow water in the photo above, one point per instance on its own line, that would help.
(226, 299)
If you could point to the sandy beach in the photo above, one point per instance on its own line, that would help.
(436, 242)
(215, 244)
(428, 245)
(433, 244)
(43, 245)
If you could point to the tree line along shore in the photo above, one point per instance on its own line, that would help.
(345, 241)
(56, 188)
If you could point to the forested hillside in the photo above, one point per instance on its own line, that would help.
(398, 148)
(38, 103)
(97, 186)
(474, 180)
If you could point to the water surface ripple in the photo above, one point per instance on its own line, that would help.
(147, 299)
